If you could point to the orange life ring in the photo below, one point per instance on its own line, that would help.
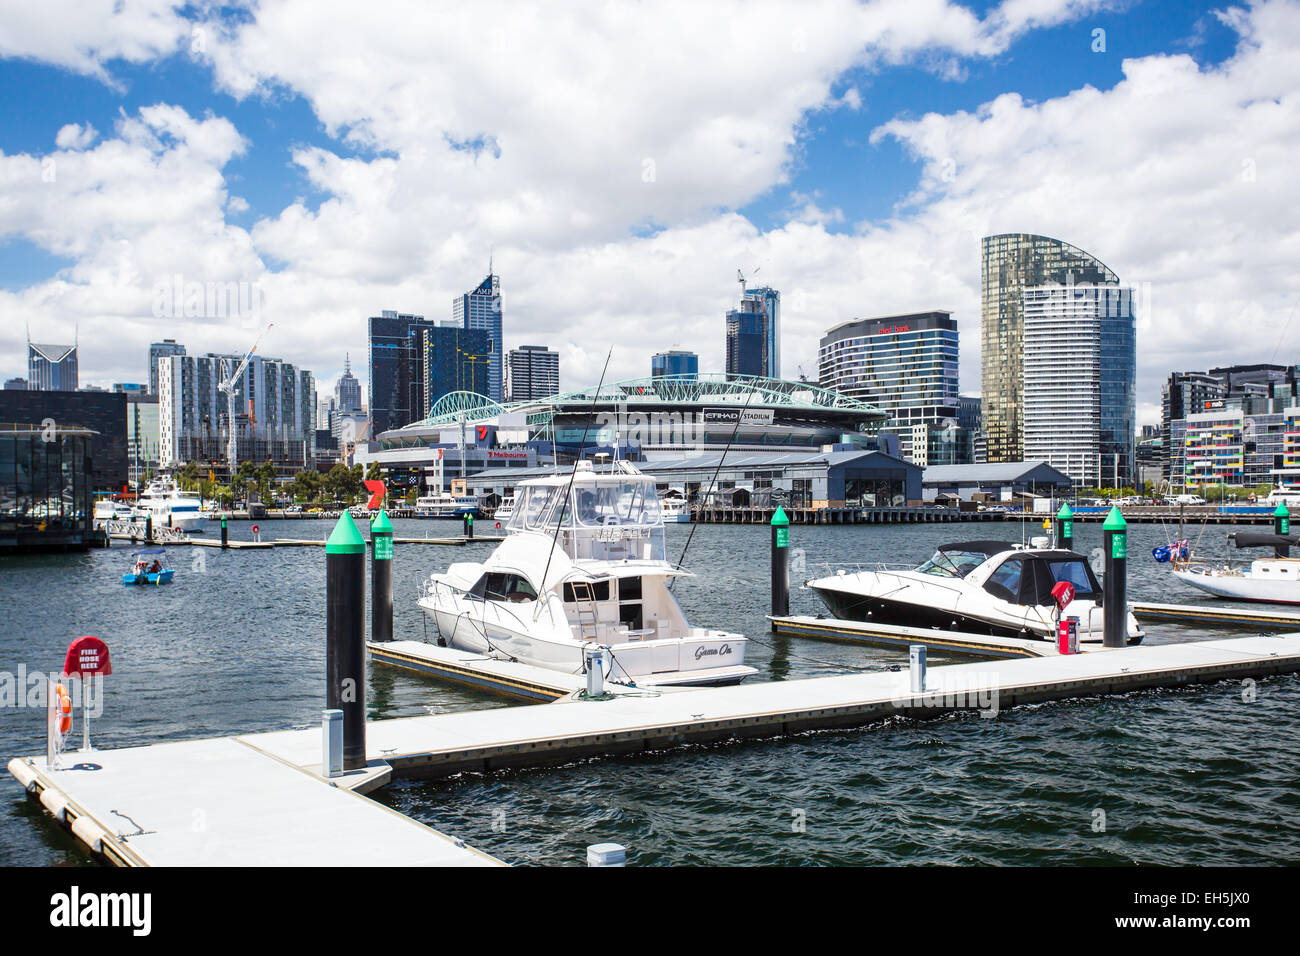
(63, 707)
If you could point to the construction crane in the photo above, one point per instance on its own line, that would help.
(228, 386)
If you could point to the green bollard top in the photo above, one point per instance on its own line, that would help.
(780, 519)
(1065, 512)
(1281, 510)
(345, 538)
(1115, 521)
(380, 524)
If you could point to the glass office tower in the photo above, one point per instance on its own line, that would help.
(1011, 263)
(480, 308)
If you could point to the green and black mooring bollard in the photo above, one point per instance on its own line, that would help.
(381, 578)
(780, 563)
(1282, 526)
(148, 528)
(225, 533)
(345, 636)
(1114, 588)
(1065, 527)
(469, 524)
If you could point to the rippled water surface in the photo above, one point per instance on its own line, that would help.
(236, 644)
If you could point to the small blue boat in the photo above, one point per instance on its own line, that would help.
(148, 572)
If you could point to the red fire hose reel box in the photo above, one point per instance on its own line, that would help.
(87, 655)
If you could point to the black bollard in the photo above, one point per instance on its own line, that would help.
(469, 524)
(1114, 588)
(780, 563)
(148, 529)
(345, 636)
(1282, 526)
(225, 533)
(1065, 527)
(381, 578)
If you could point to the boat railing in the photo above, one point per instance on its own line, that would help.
(437, 590)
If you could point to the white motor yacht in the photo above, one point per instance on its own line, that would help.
(506, 510)
(1273, 580)
(169, 507)
(583, 563)
(442, 505)
(979, 587)
(675, 509)
(106, 509)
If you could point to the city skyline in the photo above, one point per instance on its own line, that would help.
(864, 167)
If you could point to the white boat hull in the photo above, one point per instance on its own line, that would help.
(1242, 586)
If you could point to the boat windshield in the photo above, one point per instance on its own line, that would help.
(604, 517)
(953, 564)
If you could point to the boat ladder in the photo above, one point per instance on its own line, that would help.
(584, 598)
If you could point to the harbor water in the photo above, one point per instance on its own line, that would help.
(235, 644)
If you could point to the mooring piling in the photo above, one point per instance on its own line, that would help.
(780, 563)
(381, 578)
(1114, 588)
(345, 636)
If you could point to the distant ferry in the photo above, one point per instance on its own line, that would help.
(442, 505)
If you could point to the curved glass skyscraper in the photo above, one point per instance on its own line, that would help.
(1012, 263)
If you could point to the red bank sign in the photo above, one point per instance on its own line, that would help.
(890, 329)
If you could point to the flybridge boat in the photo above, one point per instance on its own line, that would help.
(506, 510)
(1275, 579)
(583, 565)
(169, 507)
(675, 509)
(979, 587)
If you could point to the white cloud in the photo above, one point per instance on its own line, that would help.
(85, 36)
(73, 136)
(570, 105)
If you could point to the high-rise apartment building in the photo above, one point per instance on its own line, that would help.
(754, 334)
(480, 308)
(675, 364)
(275, 417)
(532, 372)
(455, 359)
(1183, 394)
(157, 351)
(905, 365)
(398, 380)
(1079, 390)
(1010, 264)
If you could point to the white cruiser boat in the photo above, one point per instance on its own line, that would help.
(169, 507)
(540, 598)
(106, 509)
(979, 587)
(1274, 580)
(675, 509)
(442, 505)
(506, 510)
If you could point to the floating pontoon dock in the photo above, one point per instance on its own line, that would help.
(1216, 614)
(257, 798)
(901, 638)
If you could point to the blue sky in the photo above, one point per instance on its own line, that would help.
(584, 247)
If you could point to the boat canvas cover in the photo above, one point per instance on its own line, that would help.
(988, 548)
(1248, 539)
(1037, 579)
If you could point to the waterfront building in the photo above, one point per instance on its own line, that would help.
(102, 414)
(675, 363)
(46, 486)
(646, 420)
(754, 334)
(533, 371)
(480, 309)
(143, 435)
(275, 417)
(158, 351)
(906, 366)
(1079, 390)
(1183, 394)
(998, 481)
(51, 368)
(16, 385)
(1010, 264)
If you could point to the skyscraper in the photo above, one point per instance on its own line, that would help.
(675, 364)
(1079, 410)
(754, 334)
(1183, 394)
(455, 360)
(905, 365)
(51, 368)
(161, 350)
(398, 383)
(480, 308)
(533, 372)
(1011, 263)
(347, 390)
